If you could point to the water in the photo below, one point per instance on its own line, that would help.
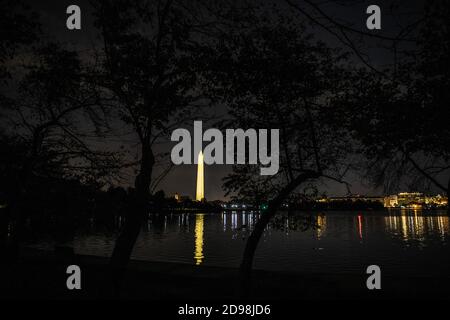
(406, 242)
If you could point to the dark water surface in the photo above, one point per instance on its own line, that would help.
(406, 242)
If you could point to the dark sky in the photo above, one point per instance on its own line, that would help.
(182, 179)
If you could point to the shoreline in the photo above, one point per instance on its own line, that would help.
(39, 274)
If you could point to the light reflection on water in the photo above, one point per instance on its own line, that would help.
(198, 253)
(412, 242)
(415, 226)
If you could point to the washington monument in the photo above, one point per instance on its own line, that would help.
(200, 194)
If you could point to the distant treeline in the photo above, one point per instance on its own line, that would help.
(59, 207)
(339, 205)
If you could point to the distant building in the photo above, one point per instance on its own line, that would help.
(181, 198)
(414, 200)
(406, 199)
(437, 200)
(353, 198)
(391, 201)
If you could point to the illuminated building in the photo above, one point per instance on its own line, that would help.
(407, 200)
(437, 200)
(414, 200)
(181, 198)
(410, 199)
(391, 201)
(200, 194)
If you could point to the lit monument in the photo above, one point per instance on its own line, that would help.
(200, 194)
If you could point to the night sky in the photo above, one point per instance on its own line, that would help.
(182, 178)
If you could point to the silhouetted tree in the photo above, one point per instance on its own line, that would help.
(277, 76)
(49, 114)
(413, 78)
(52, 112)
(400, 117)
(19, 27)
(150, 63)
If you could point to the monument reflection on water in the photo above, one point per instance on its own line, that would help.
(198, 252)
(397, 240)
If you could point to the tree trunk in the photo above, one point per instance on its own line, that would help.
(134, 219)
(17, 207)
(253, 240)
